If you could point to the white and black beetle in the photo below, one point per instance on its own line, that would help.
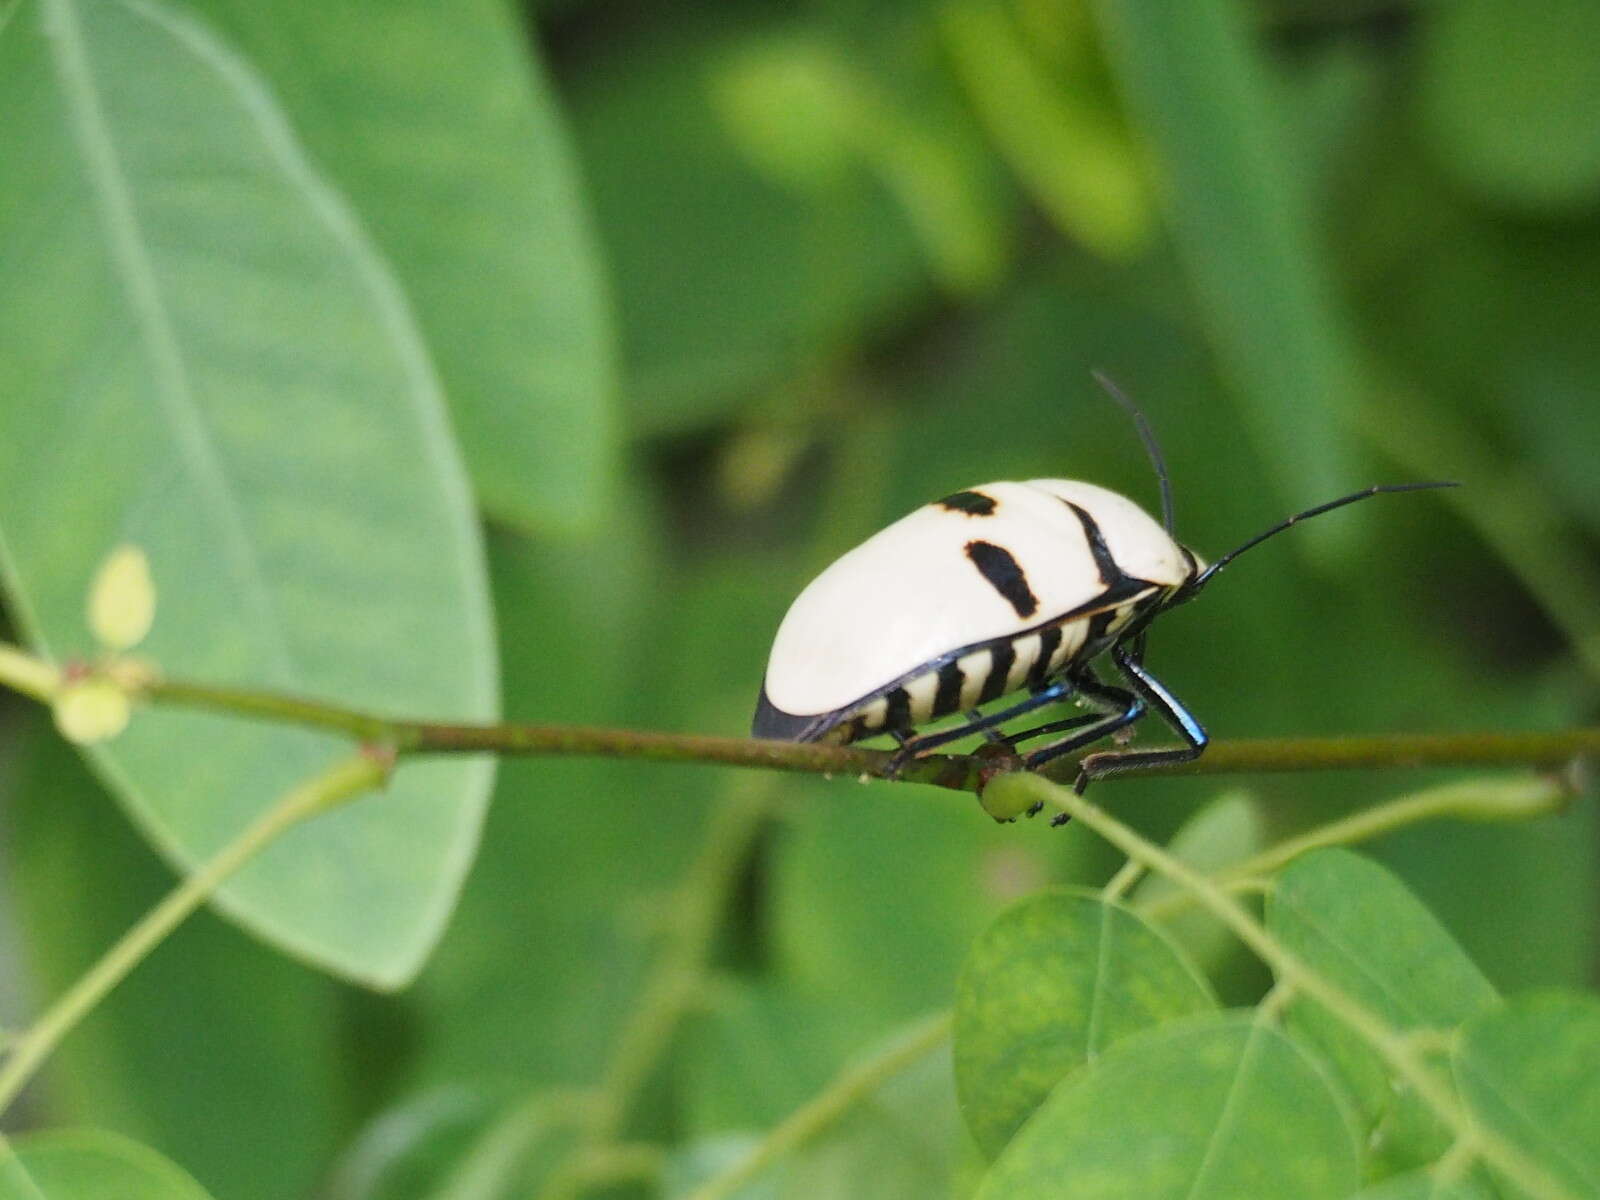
(1001, 588)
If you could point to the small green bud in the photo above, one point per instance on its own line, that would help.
(1007, 796)
(90, 710)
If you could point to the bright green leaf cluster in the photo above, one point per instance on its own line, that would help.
(1091, 1063)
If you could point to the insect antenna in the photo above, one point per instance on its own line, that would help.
(1377, 489)
(1148, 437)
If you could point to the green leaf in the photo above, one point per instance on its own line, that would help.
(179, 1055)
(896, 925)
(1241, 223)
(1425, 1185)
(1053, 982)
(1507, 93)
(1224, 832)
(90, 1165)
(439, 125)
(405, 1148)
(1056, 128)
(1362, 930)
(1358, 927)
(214, 364)
(516, 1152)
(902, 1137)
(1530, 1073)
(1218, 1108)
(455, 1143)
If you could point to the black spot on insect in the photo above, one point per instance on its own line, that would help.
(1004, 575)
(974, 504)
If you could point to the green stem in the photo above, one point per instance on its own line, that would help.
(1473, 799)
(345, 779)
(276, 706)
(676, 980)
(960, 772)
(956, 771)
(1290, 971)
(825, 1109)
(33, 677)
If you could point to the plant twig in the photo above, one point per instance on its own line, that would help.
(348, 778)
(960, 772)
(1390, 1044)
(24, 673)
(675, 981)
(823, 1110)
(1473, 799)
(957, 771)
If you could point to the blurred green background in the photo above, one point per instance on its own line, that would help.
(716, 290)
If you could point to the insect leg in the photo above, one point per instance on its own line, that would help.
(911, 747)
(1011, 739)
(1172, 711)
(991, 734)
(1120, 708)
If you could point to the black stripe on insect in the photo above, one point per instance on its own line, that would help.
(997, 565)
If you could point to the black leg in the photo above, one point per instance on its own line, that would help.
(911, 747)
(1011, 739)
(1118, 709)
(1171, 710)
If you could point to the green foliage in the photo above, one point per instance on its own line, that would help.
(902, 1136)
(92, 1166)
(1051, 984)
(680, 302)
(1219, 1106)
(1527, 1073)
(1358, 926)
(185, 437)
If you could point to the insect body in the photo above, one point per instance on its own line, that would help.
(1002, 589)
(999, 589)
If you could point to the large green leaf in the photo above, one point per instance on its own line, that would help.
(1358, 926)
(211, 360)
(1216, 1108)
(437, 123)
(1223, 833)
(1053, 982)
(90, 1165)
(179, 1055)
(1530, 1072)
